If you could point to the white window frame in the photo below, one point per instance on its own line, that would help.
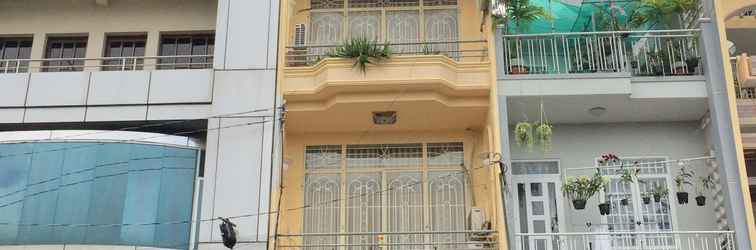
(424, 169)
(636, 194)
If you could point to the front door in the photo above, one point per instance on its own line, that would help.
(538, 202)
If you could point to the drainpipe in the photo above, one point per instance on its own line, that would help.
(728, 154)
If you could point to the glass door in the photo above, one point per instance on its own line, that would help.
(538, 204)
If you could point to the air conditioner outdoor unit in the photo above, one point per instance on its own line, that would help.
(476, 221)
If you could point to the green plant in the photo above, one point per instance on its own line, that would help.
(685, 177)
(428, 51)
(659, 191)
(524, 134)
(706, 184)
(522, 13)
(665, 14)
(583, 187)
(363, 51)
(543, 134)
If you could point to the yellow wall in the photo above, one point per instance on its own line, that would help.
(723, 10)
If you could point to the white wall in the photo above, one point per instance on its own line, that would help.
(579, 145)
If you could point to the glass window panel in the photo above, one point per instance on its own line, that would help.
(383, 155)
(536, 189)
(539, 226)
(323, 157)
(363, 211)
(441, 26)
(439, 2)
(446, 154)
(535, 167)
(102, 184)
(321, 214)
(405, 207)
(447, 204)
(364, 24)
(327, 4)
(326, 27)
(537, 207)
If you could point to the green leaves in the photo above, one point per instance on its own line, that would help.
(363, 51)
(524, 134)
(522, 12)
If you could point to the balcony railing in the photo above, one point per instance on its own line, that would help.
(484, 239)
(306, 55)
(641, 53)
(106, 64)
(666, 240)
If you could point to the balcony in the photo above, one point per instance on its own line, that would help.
(101, 89)
(690, 240)
(455, 68)
(479, 239)
(636, 53)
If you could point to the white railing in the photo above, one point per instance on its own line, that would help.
(105, 64)
(482, 239)
(305, 55)
(665, 240)
(641, 53)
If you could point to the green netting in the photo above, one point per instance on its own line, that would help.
(579, 15)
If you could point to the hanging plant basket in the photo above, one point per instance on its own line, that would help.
(624, 202)
(657, 198)
(524, 134)
(647, 200)
(604, 208)
(701, 200)
(543, 133)
(579, 204)
(682, 197)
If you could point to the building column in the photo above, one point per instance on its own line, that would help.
(95, 49)
(38, 51)
(729, 152)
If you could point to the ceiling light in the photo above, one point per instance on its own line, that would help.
(597, 111)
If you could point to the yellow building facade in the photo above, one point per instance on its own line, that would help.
(409, 145)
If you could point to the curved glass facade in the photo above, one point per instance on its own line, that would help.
(96, 193)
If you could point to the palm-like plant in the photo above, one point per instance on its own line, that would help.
(666, 13)
(363, 51)
(522, 13)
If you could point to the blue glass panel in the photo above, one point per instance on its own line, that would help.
(95, 193)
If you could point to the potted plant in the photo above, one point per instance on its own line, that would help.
(628, 176)
(604, 208)
(646, 196)
(543, 133)
(580, 189)
(658, 192)
(518, 67)
(707, 183)
(685, 177)
(524, 134)
(692, 63)
(362, 51)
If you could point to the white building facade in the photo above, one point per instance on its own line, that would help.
(201, 70)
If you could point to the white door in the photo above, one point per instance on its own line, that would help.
(637, 216)
(538, 202)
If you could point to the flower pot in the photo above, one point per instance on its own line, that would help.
(646, 200)
(701, 200)
(579, 204)
(682, 197)
(604, 208)
(657, 198)
(518, 70)
(624, 202)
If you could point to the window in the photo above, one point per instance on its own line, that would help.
(65, 52)
(394, 21)
(124, 47)
(98, 186)
(12, 49)
(187, 51)
(392, 190)
(636, 215)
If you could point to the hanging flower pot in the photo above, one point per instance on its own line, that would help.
(604, 208)
(682, 197)
(524, 134)
(657, 198)
(579, 204)
(647, 200)
(701, 200)
(624, 202)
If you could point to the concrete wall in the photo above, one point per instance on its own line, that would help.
(42, 18)
(579, 145)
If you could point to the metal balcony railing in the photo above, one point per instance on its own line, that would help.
(484, 239)
(477, 50)
(106, 64)
(641, 53)
(665, 240)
